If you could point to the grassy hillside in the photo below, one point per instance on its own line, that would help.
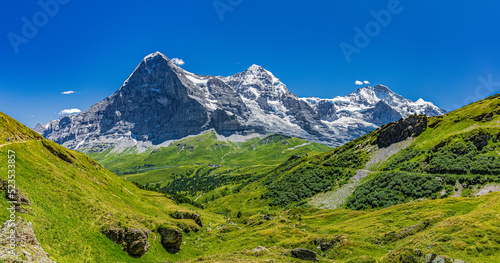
(73, 199)
(457, 153)
(207, 149)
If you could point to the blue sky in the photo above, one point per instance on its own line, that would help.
(442, 51)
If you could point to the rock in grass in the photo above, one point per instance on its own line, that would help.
(171, 238)
(327, 243)
(305, 254)
(260, 248)
(429, 257)
(134, 241)
(442, 259)
(15, 196)
(27, 248)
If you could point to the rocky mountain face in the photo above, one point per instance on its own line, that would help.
(377, 105)
(161, 102)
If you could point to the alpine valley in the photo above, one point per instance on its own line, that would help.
(180, 167)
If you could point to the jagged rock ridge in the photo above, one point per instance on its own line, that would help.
(161, 102)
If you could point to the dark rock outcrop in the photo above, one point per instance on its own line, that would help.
(429, 257)
(480, 140)
(327, 243)
(186, 215)
(186, 228)
(401, 130)
(171, 238)
(61, 154)
(304, 254)
(266, 217)
(13, 195)
(134, 241)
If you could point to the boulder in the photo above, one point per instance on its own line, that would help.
(305, 254)
(15, 196)
(260, 248)
(134, 241)
(328, 243)
(188, 228)
(171, 238)
(480, 140)
(429, 257)
(442, 259)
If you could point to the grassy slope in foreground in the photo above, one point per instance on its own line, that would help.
(459, 228)
(72, 197)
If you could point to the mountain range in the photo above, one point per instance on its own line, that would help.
(161, 102)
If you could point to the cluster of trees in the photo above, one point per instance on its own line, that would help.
(304, 182)
(391, 188)
(253, 178)
(402, 157)
(202, 181)
(454, 158)
(347, 159)
(471, 153)
(179, 198)
(486, 164)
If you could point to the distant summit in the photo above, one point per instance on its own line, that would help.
(376, 105)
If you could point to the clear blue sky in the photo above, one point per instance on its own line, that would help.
(436, 50)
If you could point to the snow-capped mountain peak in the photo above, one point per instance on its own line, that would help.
(155, 54)
(370, 95)
(256, 82)
(160, 102)
(254, 68)
(374, 104)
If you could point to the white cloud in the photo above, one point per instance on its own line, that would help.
(69, 111)
(366, 82)
(178, 61)
(68, 92)
(358, 82)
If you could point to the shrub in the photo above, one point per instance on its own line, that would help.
(390, 188)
